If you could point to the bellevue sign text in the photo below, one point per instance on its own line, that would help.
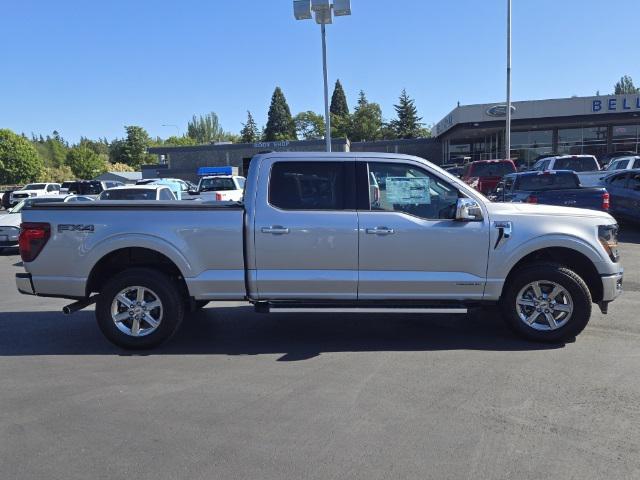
(615, 104)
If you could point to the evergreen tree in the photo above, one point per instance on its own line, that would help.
(625, 85)
(366, 122)
(280, 125)
(408, 124)
(339, 104)
(249, 132)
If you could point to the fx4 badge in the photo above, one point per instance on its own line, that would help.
(69, 227)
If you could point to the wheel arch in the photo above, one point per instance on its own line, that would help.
(567, 257)
(122, 259)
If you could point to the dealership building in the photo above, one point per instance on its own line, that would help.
(579, 125)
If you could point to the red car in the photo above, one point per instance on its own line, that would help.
(484, 175)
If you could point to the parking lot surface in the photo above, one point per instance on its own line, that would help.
(240, 395)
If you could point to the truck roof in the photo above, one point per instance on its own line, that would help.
(338, 156)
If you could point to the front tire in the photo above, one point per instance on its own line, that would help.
(547, 303)
(139, 308)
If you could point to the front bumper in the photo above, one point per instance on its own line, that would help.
(24, 283)
(611, 286)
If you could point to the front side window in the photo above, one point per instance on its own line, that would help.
(396, 187)
(307, 185)
(165, 194)
(636, 163)
(634, 182)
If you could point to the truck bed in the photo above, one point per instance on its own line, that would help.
(205, 241)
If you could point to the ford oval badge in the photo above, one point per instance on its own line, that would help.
(499, 110)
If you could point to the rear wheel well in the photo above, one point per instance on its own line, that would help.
(132, 257)
(566, 257)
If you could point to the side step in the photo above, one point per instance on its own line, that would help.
(264, 307)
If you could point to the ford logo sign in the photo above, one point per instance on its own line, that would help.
(499, 110)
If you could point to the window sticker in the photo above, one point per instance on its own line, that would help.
(408, 190)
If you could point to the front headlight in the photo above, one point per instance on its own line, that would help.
(608, 236)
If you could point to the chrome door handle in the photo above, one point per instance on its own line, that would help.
(275, 229)
(380, 231)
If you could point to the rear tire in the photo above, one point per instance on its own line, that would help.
(139, 308)
(546, 303)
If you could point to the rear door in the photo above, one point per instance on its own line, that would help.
(306, 230)
(411, 248)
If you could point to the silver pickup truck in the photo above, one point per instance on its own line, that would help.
(320, 232)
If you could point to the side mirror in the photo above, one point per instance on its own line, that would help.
(194, 192)
(468, 210)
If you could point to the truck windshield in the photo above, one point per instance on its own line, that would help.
(548, 181)
(211, 184)
(577, 164)
(498, 169)
(129, 194)
(34, 186)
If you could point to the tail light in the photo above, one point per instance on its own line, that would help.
(532, 199)
(218, 197)
(33, 238)
(606, 201)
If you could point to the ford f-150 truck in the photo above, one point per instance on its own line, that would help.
(323, 232)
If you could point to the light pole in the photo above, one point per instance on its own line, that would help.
(324, 11)
(507, 137)
(172, 125)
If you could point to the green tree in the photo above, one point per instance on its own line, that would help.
(408, 124)
(625, 85)
(340, 126)
(119, 167)
(116, 151)
(179, 141)
(19, 160)
(309, 125)
(205, 128)
(56, 174)
(85, 163)
(280, 125)
(134, 150)
(249, 132)
(339, 104)
(366, 123)
(100, 146)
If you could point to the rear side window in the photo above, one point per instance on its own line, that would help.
(636, 163)
(307, 185)
(618, 180)
(165, 194)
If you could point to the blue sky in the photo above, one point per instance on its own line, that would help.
(88, 68)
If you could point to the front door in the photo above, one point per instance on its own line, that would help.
(411, 248)
(306, 231)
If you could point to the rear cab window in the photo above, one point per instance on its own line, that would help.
(309, 185)
(549, 181)
(577, 164)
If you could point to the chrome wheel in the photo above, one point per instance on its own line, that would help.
(544, 305)
(136, 311)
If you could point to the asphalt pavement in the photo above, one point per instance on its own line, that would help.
(240, 395)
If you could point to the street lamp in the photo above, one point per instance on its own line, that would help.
(172, 125)
(304, 10)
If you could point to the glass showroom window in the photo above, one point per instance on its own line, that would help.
(570, 141)
(527, 146)
(625, 138)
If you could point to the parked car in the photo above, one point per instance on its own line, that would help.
(484, 175)
(6, 197)
(11, 219)
(221, 188)
(456, 170)
(180, 188)
(312, 237)
(624, 188)
(138, 192)
(609, 157)
(33, 190)
(622, 163)
(576, 163)
(89, 187)
(555, 187)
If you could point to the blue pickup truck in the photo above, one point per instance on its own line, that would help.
(553, 187)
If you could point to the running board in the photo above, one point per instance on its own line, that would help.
(271, 308)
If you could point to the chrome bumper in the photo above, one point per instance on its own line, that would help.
(611, 286)
(24, 283)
